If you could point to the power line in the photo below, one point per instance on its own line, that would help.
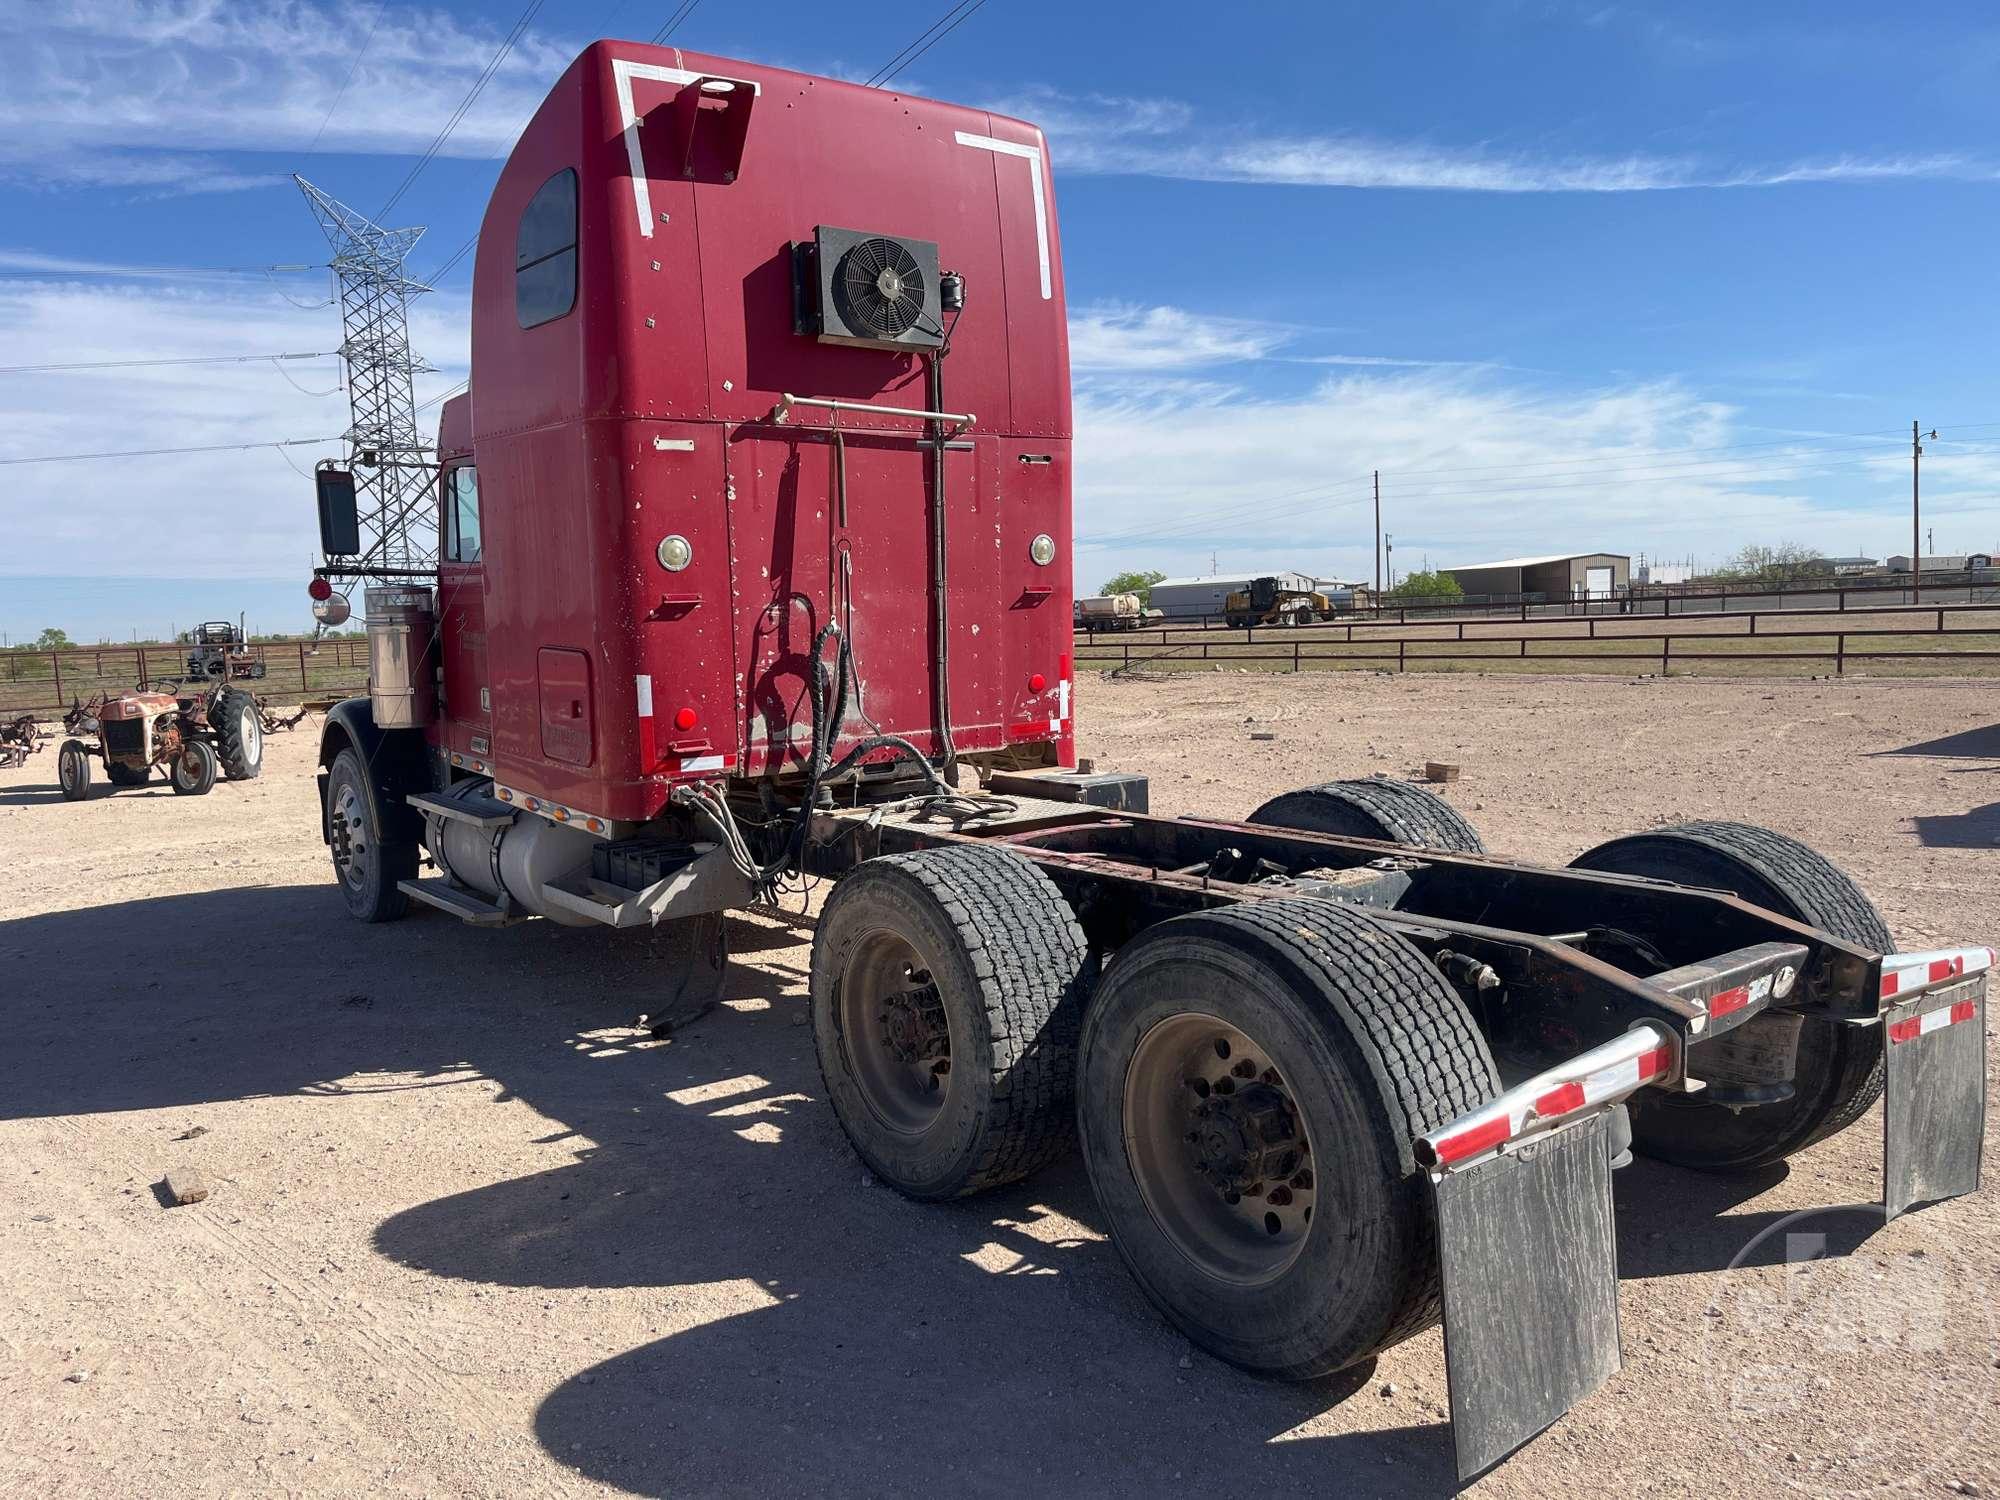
(931, 35)
(70, 458)
(341, 92)
(136, 364)
(456, 256)
(471, 97)
(442, 396)
(123, 272)
(685, 10)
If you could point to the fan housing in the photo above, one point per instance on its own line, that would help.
(873, 291)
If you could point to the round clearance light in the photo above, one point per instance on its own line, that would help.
(1043, 550)
(675, 553)
(717, 86)
(319, 588)
(1783, 980)
(1037, 683)
(685, 719)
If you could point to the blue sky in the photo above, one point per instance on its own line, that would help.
(1645, 278)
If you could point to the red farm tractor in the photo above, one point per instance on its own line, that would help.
(755, 565)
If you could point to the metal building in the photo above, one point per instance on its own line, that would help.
(1577, 575)
(1190, 598)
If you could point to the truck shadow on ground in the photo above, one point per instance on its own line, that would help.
(818, 1332)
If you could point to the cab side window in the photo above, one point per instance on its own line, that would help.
(461, 511)
(545, 253)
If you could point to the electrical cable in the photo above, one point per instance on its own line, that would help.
(138, 364)
(67, 458)
(341, 92)
(457, 115)
(931, 35)
(686, 9)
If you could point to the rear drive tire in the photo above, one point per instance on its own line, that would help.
(1323, 1044)
(366, 864)
(194, 769)
(239, 733)
(1400, 812)
(946, 987)
(1839, 1071)
(73, 771)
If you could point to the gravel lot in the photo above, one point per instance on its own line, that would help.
(473, 1233)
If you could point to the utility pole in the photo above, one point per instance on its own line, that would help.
(1916, 512)
(1378, 533)
(1389, 556)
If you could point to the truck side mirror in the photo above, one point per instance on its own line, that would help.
(339, 519)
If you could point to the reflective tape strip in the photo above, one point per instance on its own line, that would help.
(1912, 1027)
(1630, 1062)
(1909, 973)
(649, 744)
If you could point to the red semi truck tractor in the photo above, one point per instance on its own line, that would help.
(755, 541)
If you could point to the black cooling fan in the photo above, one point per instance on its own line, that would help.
(882, 291)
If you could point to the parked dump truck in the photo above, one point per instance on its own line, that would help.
(1266, 602)
(755, 566)
(1114, 612)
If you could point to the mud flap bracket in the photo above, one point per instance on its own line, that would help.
(1528, 1254)
(1934, 1095)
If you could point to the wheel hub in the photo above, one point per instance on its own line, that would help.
(1242, 1141)
(913, 1024)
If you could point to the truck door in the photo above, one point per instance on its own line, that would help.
(468, 710)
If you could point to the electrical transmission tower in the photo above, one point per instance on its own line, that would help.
(389, 456)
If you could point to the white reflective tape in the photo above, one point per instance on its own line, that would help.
(1032, 155)
(700, 763)
(1062, 700)
(623, 71)
(1909, 973)
(673, 445)
(645, 684)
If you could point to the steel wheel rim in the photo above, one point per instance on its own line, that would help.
(894, 1031)
(70, 771)
(251, 731)
(350, 837)
(1219, 1149)
(187, 767)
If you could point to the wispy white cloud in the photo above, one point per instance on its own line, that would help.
(1166, 138)
(1120, 336)
(115, 517)
(118, 92)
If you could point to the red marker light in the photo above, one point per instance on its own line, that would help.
(319, 588)
(1037, 683)
(685, 719)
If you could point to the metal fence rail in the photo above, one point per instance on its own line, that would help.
(49, 681)
(1276, 648)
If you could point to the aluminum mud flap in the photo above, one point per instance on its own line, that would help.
(1529, 1259)
(1934, 1096)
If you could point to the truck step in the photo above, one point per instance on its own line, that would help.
(465, 804)
(467, 906)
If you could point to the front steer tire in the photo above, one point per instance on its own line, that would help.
(1374, 807)
(1840, 1068)
(1342, 1026)
(367, 864)
(963, 957)
(73, 771)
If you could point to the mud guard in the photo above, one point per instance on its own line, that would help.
(1528, 1253)
(1934, 1095)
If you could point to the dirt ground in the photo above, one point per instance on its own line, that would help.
(472, 1233)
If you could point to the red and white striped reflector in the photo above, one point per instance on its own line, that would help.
(1560, 1092)
(1908, 973)
(1912, 1027)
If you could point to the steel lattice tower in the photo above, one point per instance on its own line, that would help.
(393, 492)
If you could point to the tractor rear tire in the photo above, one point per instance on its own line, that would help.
(946, 990)
(194, 769)
(238, 725)
(1241, 1067)
(1839, 1071)
(367, 865)
(119, 775)
(1400, 812)
(73, 771)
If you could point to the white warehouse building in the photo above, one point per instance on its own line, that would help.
(1190, 598)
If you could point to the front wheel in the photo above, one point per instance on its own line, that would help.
(1250, 1082)
(194, 769)
(73, 770)
(368, 864)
